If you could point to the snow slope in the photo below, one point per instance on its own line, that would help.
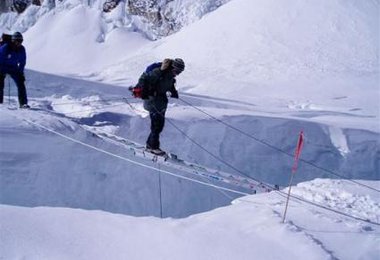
(297, 62)
(267, 68)
(287, 83)
(35, 169)
(64, 52)
(283, 77)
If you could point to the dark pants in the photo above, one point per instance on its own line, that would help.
(157, 122)
(19, 79)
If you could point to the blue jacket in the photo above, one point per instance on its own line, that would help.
(11, 60)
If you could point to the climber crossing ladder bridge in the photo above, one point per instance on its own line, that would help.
(172, 161)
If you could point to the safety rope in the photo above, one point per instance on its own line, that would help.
(197, 181)
(279, 192)
(228, 125)
(189, 179)
(129, 160)
(199, 174)
(133, 109)
(211, 154)
(258, 181)
(334, 210)
(191, 168)
(278, 149)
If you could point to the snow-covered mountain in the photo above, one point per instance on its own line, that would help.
(155, 19)
(290, 75)
(270, 84)
(257, 73)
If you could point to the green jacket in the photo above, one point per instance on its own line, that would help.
(155, 84)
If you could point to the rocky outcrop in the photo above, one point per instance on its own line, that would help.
(5, 5)
(155, 14)
(18, 6)
(164, 17)
(154, 18)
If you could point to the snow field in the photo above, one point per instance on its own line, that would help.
(268, 68)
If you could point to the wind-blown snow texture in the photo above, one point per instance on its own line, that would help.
(250, 228)
(267, 68)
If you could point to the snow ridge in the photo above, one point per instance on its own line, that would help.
(155, 19)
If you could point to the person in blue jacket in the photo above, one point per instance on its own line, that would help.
(12, 62)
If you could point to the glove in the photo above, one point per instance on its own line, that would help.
(174, 94)
(136, 91)
(166, 64)
(168, 94)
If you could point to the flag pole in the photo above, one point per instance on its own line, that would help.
(294, 169)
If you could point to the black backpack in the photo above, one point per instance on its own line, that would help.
(137, 91)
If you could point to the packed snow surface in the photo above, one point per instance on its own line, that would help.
(257, 73)
(251, 227)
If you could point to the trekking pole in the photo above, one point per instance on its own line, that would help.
(9, 90)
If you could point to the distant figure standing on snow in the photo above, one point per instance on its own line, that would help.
(156, 84)
(12, 62)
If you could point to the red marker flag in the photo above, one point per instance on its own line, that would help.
(297, 153)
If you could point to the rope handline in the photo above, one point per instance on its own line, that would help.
(193, 180)
(240, 131)
(210, 153)
(333, 210)
(204, 173)
(278, 149)
(281, 193)
(132, 108)
(221, 191)
(216, 157)
(183, 177)
(132, 161)
(126, 100)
